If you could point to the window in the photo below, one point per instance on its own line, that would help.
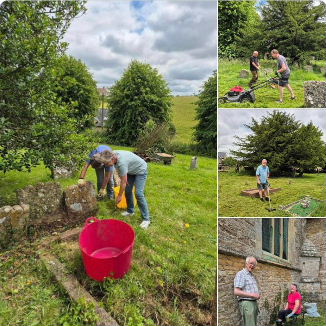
(275, 236)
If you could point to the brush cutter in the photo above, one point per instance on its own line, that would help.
(238, 94)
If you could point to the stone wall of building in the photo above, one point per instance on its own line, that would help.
(43, 204)
(241, 237)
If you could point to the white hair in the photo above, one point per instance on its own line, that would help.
(250, 258)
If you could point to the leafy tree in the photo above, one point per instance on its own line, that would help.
(233, 17)
(206, 113)
(35, 124)
(77, 89)
(286, 143)
(140, 95)
(295, 28)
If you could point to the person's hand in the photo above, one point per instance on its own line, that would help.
(102, 192)
(255, 295)
(81, 181)
(278, 74)
(290, 315)
(258, 182)
(118, 199)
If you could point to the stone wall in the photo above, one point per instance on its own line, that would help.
(241, 237)
(43, 204)
(315, 94)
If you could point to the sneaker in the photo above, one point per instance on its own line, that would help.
(268, 199)
(145, 224)
(127, 214)
(262, 199)
(279, 101)
(293, 98)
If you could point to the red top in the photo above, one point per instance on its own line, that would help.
(291, 300)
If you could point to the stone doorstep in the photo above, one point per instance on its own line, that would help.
(67, 281)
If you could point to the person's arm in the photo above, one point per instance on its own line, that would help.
(107, 177)
(296, 306)
(123, 183)
(258, 178)
(83, 173)
(283, 68)
(243, 294)
(286, 306)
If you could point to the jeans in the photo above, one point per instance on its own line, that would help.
(139, 181)
(100, 172)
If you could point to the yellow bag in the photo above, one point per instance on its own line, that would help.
(123, 203)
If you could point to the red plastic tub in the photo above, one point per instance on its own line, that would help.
(107, 246)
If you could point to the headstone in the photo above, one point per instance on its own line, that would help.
(315, 94)
(45, 201)
(308, 68)
(323, 70)
(62, 172)
(194, 163)
(244, 73)
(81, 200)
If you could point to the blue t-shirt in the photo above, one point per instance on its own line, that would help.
(263, 172)
(101, 149)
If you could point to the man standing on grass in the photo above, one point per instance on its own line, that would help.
(247, 291)
(254, 67)
(262, 175)
(284, 73)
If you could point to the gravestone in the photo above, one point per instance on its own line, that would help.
(308, 68)
(81, 200)
(244, 73)
(315, 94)
(194, 163)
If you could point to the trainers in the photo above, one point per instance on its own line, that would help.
(145, 224)
(268, 199)
(127, 214)
(262, 199)
(279, 101)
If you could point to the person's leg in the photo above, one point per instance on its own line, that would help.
(99, 177)
(249, 313)
(291, 90)
(140, 183)
(109, 188)
(260, 191)
(283, 313)
(253, 78)
(281, 88)
(128, 193)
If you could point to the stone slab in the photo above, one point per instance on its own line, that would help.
(255, 193)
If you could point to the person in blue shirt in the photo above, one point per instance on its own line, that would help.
(262, 174)
(104, 174)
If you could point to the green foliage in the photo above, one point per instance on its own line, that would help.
(230, 161)
(295, 28)
(286, 143)
(31, 41)
(140, 95)
(77, 90)
(80, 314)
(206, 129)
(233, 17)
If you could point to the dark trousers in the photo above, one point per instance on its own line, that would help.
(283, 313)
(100, 172)
(254, 77)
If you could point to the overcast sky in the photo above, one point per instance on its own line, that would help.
(176, 37)
(231, 123)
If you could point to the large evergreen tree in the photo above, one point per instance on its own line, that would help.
(295, 28)
(206, 114)
(139, 96)
(287, 144)
(77, 90)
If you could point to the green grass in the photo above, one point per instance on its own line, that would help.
(231, 203)
(173, 276)
(316, 321)
(183, 117)
(265, 97)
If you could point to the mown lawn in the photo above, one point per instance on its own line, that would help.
(228, 76)
(316, 321)
(184, 118)
(173, 276)
(231, 203)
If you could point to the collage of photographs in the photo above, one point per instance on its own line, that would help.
(162, 163)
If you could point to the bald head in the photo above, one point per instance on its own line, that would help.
(255, 53)
(264, 162)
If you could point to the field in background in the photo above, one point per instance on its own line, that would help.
(228, 77)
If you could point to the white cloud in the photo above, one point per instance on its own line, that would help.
(176, 37)
(231, 123)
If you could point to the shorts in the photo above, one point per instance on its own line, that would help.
(262, 186)
(283, 81)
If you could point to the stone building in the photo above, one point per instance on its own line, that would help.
(287, 250)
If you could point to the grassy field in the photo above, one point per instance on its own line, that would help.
(316, 321)
(183, 117)
(266, 97)
(231, 203)
(173, 276)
